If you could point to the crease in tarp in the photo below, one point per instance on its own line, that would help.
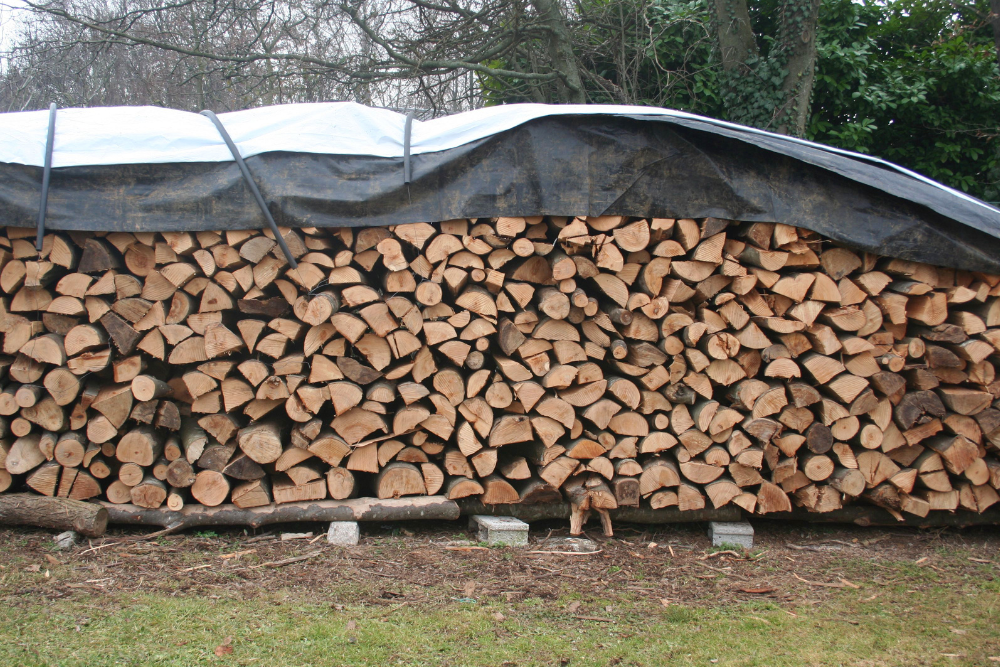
(628, 189)
(900, 180)
(575, 164)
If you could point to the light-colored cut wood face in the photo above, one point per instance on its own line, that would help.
(606, 361)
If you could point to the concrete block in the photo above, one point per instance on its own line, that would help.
(580, 545)
(343, 533)
(66, 540)
(739, 533)
(500, 530)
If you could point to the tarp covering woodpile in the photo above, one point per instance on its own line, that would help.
(615, 306)
(341, 164)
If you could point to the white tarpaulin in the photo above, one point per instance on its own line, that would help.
(151, 135)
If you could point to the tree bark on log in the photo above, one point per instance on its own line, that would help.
(645, 515)
(870, 515)
(22, 509)
(357, 509)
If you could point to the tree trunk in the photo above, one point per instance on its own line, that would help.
(797, 42)
(752, 94)
(737, 43)
(995, 22)
(560, 47)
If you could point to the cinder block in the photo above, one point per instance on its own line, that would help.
(739, 533)
(580, 545)
(66, 540)
(500, 530)
(344, 533)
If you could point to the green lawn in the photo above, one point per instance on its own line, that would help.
(902, 613)
(278, 630)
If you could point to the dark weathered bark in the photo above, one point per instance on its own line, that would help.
(870, 515)
(995, 23)
(560, 47)
(21, 509)
(861, 515)
(737, 43)
(753, 96)
(624, 514)
(797, 41)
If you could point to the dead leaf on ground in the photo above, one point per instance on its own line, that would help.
(470, 588)
(573, 606)
(499, 617)
(351, 625)
(756, 591)
(225, 648)
(33, 568)
(52, 559)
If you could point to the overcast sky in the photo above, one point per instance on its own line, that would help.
(8, 11)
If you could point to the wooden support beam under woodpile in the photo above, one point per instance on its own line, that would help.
(607, 362)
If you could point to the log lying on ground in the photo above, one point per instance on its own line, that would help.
(355, 509)
(621, 365)
(23, 509)
(869, 515)
(643, 515)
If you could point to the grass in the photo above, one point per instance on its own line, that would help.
(921, 598)
(895, 623)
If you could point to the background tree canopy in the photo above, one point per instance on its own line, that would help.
(912, 81)
(915, 82)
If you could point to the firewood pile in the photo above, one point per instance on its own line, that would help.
(607, 361)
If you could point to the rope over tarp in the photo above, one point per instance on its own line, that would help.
(407, 133)
(46, 176)
(252, 184)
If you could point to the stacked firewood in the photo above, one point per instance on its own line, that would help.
(610, 361)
